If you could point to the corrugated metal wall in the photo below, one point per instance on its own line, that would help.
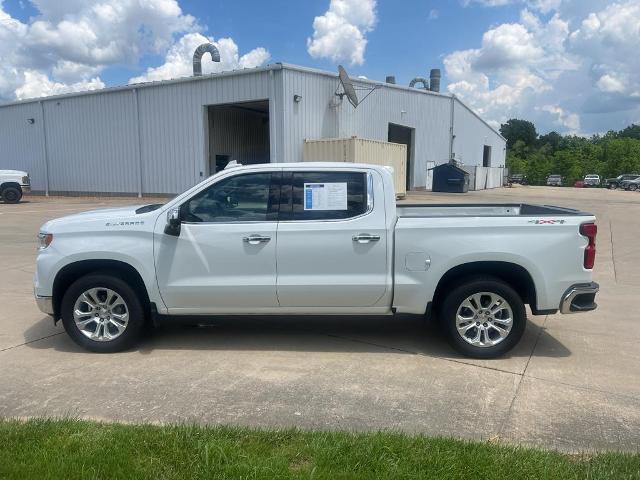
(320, 115)
(154, 137)
(22, 142)
(471, 134)
(173, 124)
(91, 143)
(113, 141)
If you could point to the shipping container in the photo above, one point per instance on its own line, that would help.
(361, 150)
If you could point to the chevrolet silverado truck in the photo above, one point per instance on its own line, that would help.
(314, 239)
(13, 184)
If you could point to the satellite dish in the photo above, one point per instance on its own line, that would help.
(347, 86)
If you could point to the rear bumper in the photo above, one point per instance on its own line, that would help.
(580, 298)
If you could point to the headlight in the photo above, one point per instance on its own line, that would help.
(44, 240)
(26, 180)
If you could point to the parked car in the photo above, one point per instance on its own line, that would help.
(632, 185)
(518, 178)
(554, 180)
(13, 184)
(341, 247)
(592, 180)
(614, 183)
(579, 184)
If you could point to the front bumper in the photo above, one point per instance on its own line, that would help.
(580, 298)
(45, 304)
(25, 188)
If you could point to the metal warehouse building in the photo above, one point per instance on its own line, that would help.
(163, 137)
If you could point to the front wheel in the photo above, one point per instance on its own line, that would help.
(102, 313)
(483, 317)
(11, 195)
(612, 186)
(633, 187)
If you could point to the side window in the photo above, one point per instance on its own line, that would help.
(328, 195)
(242, 198)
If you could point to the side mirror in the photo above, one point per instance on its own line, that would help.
(173, 222)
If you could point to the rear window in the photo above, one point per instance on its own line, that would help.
(325, 196)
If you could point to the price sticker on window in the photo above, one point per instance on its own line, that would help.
(325, 196)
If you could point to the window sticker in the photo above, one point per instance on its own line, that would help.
(325, 196)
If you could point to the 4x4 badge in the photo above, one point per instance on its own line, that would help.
(547, 222)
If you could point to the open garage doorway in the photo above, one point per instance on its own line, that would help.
(405, 136)
(238, 131)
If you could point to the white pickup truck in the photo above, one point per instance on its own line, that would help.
(13, 184)
(314, 239)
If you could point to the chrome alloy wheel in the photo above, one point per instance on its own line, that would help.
(101, 314)
(484, 319)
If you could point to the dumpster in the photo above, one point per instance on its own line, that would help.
(449, 178)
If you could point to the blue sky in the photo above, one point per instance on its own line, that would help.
(565, 64)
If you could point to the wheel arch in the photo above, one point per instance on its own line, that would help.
(513, 274)
(122, 270)
(10, 184)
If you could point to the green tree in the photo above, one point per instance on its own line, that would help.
(607, 155)
(515, 130)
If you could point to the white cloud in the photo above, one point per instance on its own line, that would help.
(179, 59)
(567, 121)
(575, 70)
(339, 34)
(37, 84)
(67, 45)
(433, 14)
(487, 3)
(609, 83)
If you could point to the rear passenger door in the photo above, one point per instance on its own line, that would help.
(332, 242)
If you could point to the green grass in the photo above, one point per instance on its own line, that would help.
(70, 449)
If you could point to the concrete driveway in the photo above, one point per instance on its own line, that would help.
(573, 383)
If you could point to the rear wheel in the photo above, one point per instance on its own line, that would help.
(11, 195)
(612, 186)
(633, 187)
(102, 313)
(483, 317)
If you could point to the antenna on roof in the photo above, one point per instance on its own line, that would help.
(349, 90)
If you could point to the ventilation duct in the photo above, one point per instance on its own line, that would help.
(435, 79)
(197, 57)
(390, 79)
(423, 81)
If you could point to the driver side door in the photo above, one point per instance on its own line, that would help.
(224, 259)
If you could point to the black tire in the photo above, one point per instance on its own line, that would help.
(633, 187)
(612, 186)
(136, 318)
(11, 195)
(449, 310)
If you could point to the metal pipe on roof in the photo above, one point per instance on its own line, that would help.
(197, 57)
(435, 76)
(422, 80)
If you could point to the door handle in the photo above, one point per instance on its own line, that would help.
(256, 239)
(365, 238)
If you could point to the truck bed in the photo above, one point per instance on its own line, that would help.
(483, 210)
